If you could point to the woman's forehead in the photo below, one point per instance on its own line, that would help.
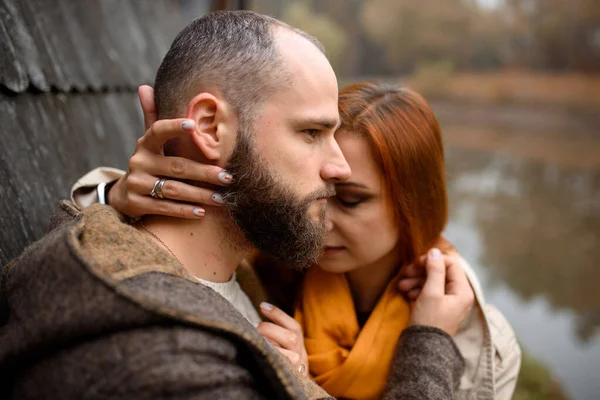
(356, 150)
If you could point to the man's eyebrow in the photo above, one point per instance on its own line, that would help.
(351, 184)
(327, 123)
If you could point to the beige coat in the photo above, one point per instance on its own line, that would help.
(485, 339)
(490, 349)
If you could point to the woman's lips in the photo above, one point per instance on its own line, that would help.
(333, 249)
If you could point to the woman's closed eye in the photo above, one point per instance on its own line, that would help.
(350, 201)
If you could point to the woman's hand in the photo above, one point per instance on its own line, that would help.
(285, 334)
(446, 296)
(412, 277)
(130, 195)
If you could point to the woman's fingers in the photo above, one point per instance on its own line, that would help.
(284, 330)
(161, 131)
(146, 96)
(180, 168)
(407, 284)
(413, 294)
(280, 318)
(436, 274)
(170, 208)
(141, 184)
(281, 336)
(412, 271)
(294, 357)
(446, 296)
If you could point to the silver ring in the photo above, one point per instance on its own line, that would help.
(158, 188)
(302, 369)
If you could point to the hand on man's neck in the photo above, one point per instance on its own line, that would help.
(210, 248)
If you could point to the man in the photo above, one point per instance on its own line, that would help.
(100, 308)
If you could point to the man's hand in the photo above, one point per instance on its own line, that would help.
(446, 297)
(285, 334)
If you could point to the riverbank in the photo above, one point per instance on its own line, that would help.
(572, 92)
(564, 137)
(536, 382)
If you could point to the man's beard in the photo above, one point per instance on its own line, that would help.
(269, 214)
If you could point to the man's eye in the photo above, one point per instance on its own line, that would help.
(311, 132)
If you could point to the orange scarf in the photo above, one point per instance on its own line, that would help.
(346, 361)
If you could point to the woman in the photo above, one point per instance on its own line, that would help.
(349, 310)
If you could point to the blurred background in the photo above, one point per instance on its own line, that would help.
(515, 85)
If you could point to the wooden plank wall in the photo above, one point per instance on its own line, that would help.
(69, 72)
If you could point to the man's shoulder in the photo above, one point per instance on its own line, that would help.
(63, 290)
(111, 245)
(96, 251)
(102, 240)
(53, 245)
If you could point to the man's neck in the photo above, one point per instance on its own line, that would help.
(210, 248)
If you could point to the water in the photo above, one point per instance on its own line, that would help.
(525, 212)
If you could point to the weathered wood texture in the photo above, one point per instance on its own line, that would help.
(69, 72)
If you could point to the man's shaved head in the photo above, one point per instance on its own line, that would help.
(234, 52)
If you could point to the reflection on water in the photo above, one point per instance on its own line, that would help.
(531, 230)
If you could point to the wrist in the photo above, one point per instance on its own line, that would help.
(434, 324)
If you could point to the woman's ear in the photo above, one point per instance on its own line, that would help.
(205, 110)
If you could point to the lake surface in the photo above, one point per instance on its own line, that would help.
(524, 189)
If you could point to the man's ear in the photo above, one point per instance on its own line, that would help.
(209, 112)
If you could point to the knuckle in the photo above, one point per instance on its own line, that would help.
(140, 142)
(296, 327)
(178, 166)
(132, 182)
(295, 358)
(170, 189)
(293, 338)
(135, 161)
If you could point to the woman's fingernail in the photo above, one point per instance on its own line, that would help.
(266, 306)
(435, 254)
(217, 198)
(256, 324)
(225, 177)
(199, 212)
(187, 125)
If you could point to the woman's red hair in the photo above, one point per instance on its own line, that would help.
(406, 141)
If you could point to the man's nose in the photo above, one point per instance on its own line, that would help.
(335, 168)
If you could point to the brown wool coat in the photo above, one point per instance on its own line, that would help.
(97, 310)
